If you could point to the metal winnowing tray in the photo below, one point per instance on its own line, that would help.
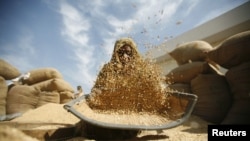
(191, 98)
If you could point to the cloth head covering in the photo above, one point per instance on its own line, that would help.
(119, 45)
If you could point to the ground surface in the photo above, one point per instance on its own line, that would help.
(193, 129)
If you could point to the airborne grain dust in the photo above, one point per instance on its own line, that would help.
(135, 88)
(129, 83)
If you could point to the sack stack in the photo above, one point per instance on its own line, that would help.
(234, 55)
(50, 82)
(42, 86)
(3, 95)
(198, 75)
(21, 98)
(7, 72)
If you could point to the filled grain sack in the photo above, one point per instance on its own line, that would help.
(42, 74)
(179, 87)
(48, 97)
(185, 73)
(21, 98)
(190, 51)
(66, 96)
(214, 97)
(238, 78)
(239, 113)
(8, 71)
(3, 95)
(232, 51)
(55, 84)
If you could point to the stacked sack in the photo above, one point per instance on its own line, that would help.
(7, 72)
(44, 85)
(196, 74)
(34, 89)
(234, 55)
(50, 82)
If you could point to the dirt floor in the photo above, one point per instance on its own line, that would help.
(194, 129)
(42, 121)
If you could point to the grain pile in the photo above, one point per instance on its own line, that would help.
(51, 113)
(135, 118)
(130, 86)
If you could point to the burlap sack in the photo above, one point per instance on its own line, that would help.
(7, 71)
(55, 84)
(214, 97)
(185, 73)
(21, 98)
(48, 97)
(3, 95)
(233, 51)
(42, 74)
(238, 78)
(190, 51)
(179, 87)
(239, 113)
(66, 96)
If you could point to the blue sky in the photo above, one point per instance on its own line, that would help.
(77, 36)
